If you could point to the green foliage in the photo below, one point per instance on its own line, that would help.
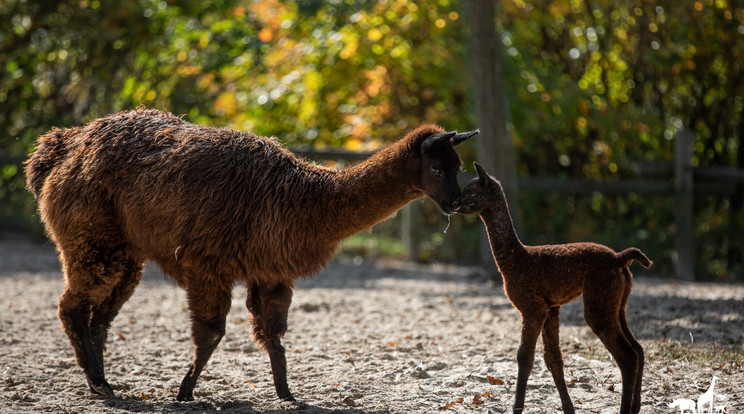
(594, 87)
(599, 86)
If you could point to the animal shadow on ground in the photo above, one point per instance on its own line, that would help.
(657, 316)
(234, 406)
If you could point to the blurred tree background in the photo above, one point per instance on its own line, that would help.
(595, 87)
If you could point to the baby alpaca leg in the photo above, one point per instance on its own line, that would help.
(553, 357)
(634, 342)
(209, 304)
(531, 327)
(269, 306)
(603, 319)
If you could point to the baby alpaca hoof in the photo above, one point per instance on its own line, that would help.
(104, 390)
(568, 409)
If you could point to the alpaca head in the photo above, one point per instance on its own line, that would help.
(440, 166)
(475, 196)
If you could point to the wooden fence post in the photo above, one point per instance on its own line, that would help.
(409, 233)
(683, 205)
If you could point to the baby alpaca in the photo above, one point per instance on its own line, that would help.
(539, 279)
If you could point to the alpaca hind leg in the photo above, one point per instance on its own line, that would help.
(531, 328)
(91, 279)
(74, 313)
(269, 306)
(605, 324)
(209, 304)
(636, 408)
(553, 357)
(105, 312)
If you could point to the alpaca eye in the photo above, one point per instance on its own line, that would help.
(436, 171)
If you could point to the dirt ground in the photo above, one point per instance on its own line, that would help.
(387, 337)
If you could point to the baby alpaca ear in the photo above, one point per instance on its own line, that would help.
(483, 178)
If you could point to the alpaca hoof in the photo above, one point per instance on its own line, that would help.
(287, 397)
(103, 390)
(185, 396)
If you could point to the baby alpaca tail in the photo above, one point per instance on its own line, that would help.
(626, 257)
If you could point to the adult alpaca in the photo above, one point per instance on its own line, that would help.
(211, 207)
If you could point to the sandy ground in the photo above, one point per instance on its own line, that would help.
(376, 338)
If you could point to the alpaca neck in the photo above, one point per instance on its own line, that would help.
(371, 191)
(501, 233)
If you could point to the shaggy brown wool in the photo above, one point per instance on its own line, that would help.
(212, 207)
(539, 279)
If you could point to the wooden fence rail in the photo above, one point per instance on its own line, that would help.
(678, 178)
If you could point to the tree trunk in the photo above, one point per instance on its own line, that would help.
(495, 146)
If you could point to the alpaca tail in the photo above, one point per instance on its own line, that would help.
(626, 257)
(50, 150)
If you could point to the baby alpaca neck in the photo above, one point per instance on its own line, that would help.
(502, 236)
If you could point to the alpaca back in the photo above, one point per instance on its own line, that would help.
(194, 198)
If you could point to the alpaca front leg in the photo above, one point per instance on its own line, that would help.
(269, 306)
(526, 357)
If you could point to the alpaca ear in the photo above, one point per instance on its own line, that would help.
(436, 139)
(463, 136)
(483, 178)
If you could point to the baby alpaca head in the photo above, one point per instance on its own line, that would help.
(475, 196)
(440, 166)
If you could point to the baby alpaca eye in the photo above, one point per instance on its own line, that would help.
(436, 171)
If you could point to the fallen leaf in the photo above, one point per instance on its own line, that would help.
(144, 396)
(494, 381)
(477, 399)
(393, 344)
(720, 367)
(121, 336)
